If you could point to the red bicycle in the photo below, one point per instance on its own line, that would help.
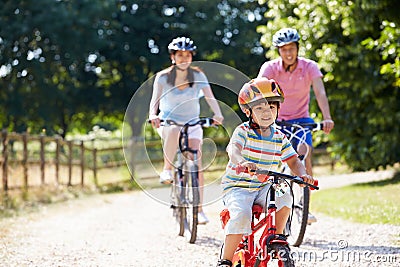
(263, 244)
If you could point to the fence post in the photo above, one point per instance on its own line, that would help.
(132, 150)
(82, 163)
(95, 166)
(42, 160)
(57, 159)
(25, 159)
(69, 163)
(5, 160)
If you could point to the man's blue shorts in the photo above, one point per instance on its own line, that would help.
(300, 134)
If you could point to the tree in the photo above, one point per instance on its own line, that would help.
(67, 65)
(44, 77)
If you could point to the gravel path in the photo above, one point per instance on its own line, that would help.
(132, 229)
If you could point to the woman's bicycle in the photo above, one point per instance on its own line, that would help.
(297, 223)
(263, 244)
(185, 193)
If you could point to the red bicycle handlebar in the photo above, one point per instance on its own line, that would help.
(260, 172)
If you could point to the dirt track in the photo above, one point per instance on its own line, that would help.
(132, 229)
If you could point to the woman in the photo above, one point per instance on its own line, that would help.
(176, 94)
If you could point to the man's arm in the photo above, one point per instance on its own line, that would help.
(322, 99)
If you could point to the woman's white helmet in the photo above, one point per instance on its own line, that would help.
(182, 44)
(285, 36)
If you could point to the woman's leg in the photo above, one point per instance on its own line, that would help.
(170, 136)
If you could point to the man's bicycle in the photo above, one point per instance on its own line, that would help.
(185, 193)
(263, 244)
(297, 223)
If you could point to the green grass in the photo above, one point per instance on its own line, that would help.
(374, 202)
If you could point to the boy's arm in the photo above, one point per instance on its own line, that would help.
(298, 169)
(235, 155)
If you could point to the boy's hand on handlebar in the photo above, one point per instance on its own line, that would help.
(308, 179)
(246, 166)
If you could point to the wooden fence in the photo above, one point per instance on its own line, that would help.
(81, 160)
(50, 152)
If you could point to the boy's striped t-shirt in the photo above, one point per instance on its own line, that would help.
(266, 152)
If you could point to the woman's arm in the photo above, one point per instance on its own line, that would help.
(213, 103)
(155, 102)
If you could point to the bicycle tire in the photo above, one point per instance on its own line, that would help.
(300, 217)
(194, 202)
(179, 211)
(282, 252)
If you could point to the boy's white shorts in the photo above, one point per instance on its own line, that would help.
(239, 202)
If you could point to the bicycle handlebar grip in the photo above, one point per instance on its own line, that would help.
(315, 184)
(208, 122)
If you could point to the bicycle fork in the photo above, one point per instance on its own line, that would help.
(186, 169)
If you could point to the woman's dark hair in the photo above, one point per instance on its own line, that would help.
(171, 75)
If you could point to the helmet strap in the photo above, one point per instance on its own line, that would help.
(252, 124)
(173, 62)
(176, 66)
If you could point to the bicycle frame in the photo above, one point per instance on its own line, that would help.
(185, 194)
(259, 251)
(253, 251)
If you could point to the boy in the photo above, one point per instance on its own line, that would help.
(256, 144)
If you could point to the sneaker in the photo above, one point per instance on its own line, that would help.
(311, 219)
(202, 218)
(166, 177)
(224, 263)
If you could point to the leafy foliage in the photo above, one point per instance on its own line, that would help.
(70, 64)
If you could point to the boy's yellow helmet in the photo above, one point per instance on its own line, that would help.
(259, 89)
